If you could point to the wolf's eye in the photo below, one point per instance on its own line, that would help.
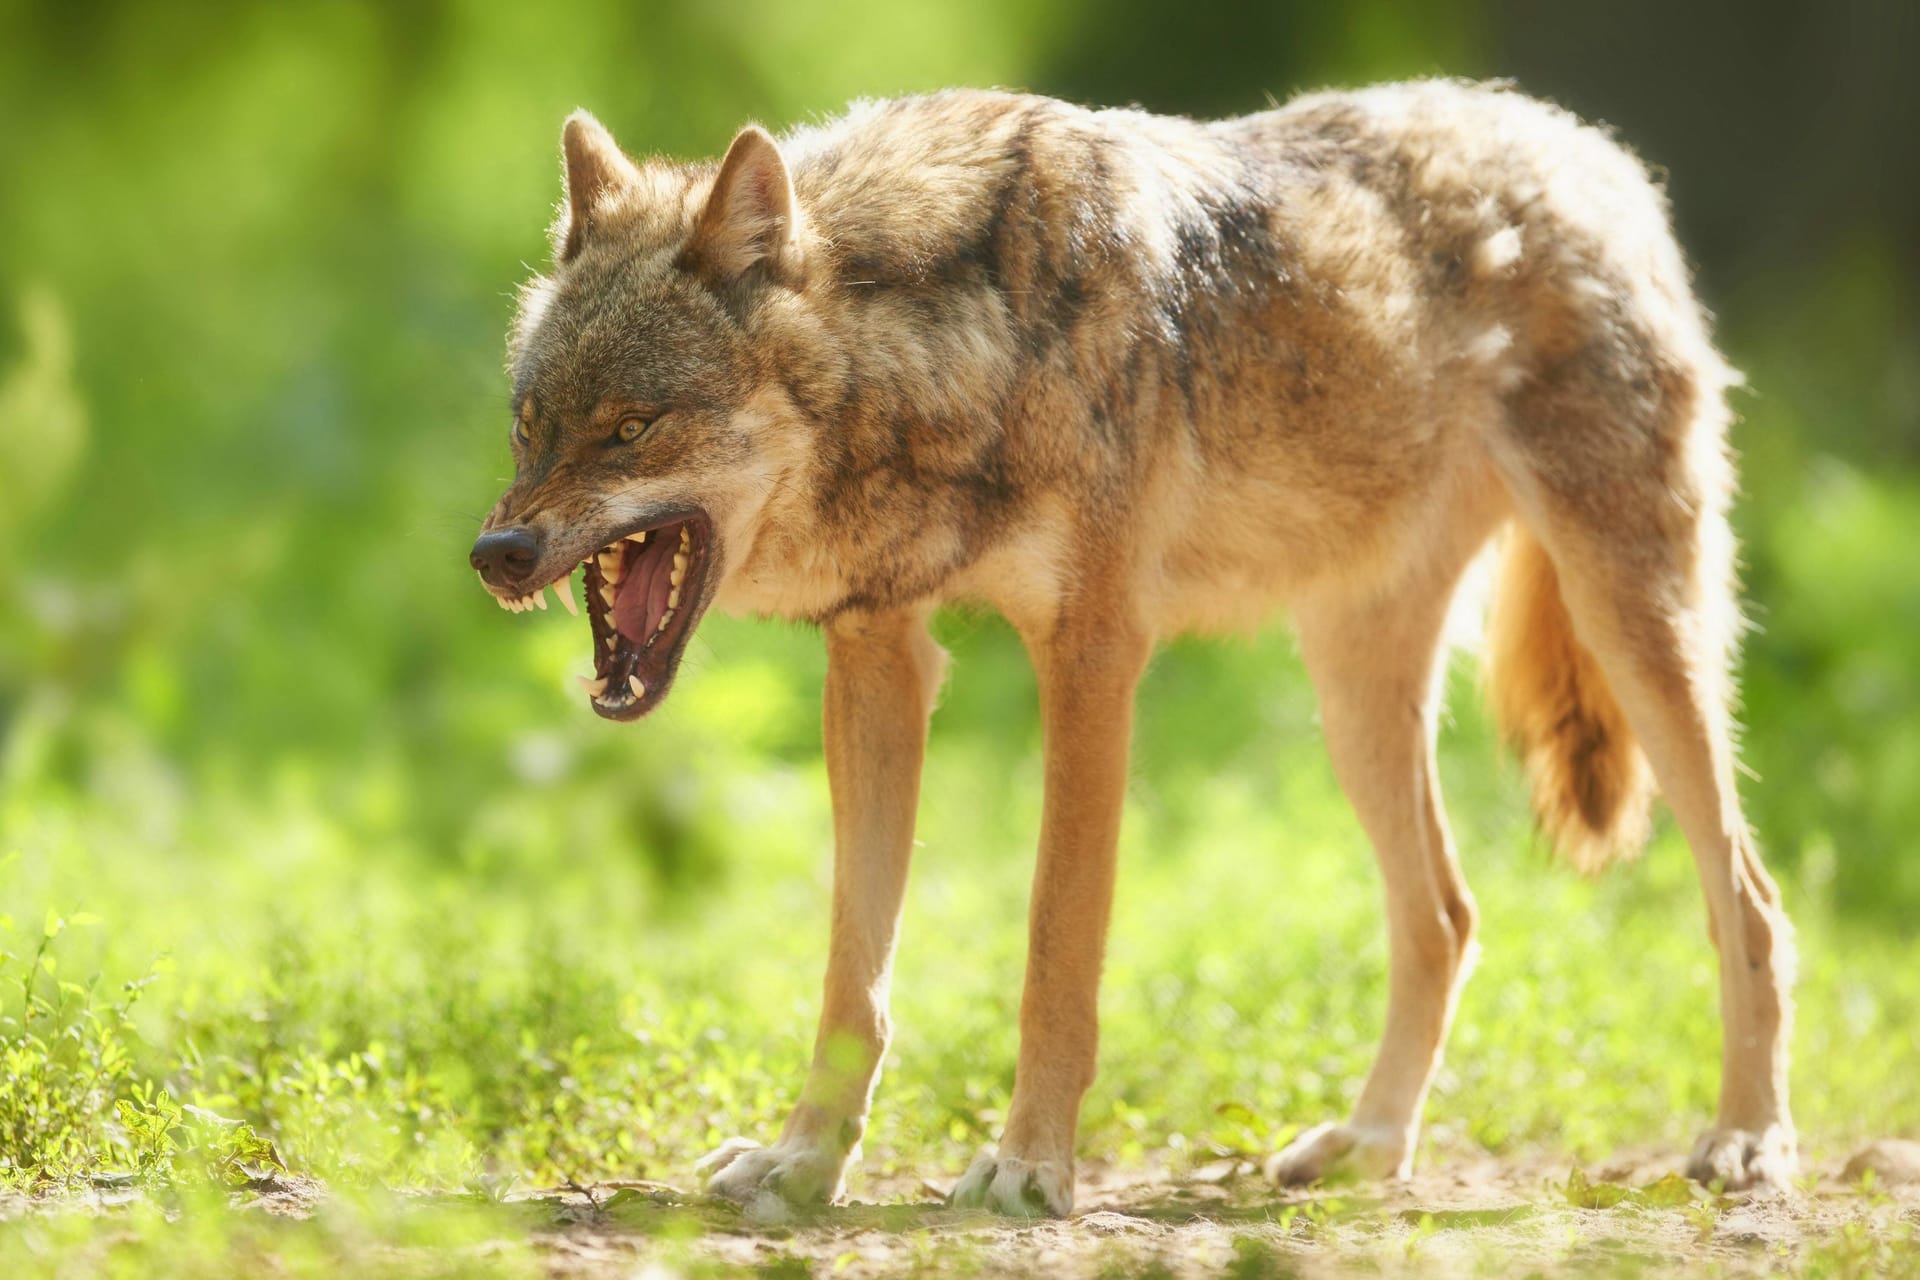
(631, 429)
(520, 435)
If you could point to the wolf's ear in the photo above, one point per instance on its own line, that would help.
(595, 167)
(752, 215)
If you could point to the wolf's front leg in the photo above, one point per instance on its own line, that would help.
(883, 672)
(1087, 670)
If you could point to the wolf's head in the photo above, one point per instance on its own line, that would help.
(648, 427)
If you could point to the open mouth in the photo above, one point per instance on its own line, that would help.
(643, 594)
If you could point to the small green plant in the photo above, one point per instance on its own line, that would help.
(1859, 1250)
(73, 1105)
(1705, 1217)
(181, 1142)
(65, 1058)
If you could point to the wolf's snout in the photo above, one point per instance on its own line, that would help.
(504, 557)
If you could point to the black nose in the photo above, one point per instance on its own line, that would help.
(505, 556)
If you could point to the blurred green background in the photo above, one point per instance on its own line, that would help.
(256, 265)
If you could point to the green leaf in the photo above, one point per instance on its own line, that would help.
(1238, 1112)
(1670, 1192)
(1584, 1194)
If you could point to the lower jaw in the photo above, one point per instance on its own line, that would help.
(631, 709)
(621, 695)
(630, 588)
(636, 677)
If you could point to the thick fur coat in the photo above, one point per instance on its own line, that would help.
(1122, 376)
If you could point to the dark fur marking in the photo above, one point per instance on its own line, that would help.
(1218, 257)
(1595, 791)
(865, 466)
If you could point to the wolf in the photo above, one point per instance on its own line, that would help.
(1121, 376)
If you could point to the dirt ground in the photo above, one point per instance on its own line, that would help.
(1484, 1218)
(1467, 1218)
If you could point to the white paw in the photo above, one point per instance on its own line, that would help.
(1021, 1188)
(1348, 1150)
(767, 1180)
(1740, 1159)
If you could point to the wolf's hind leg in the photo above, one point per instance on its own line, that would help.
(1376, 666)
(883, 672)
(1648, 583)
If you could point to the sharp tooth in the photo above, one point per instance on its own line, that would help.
(673, 598)
(563, 589)
(593, 686)
(502, 603)
(685, 538)
(633, 683)
(607, 593)
(665, 618)
(680, 561)
(540, 598)
(611, 566)
(637, 537)
(610, 642)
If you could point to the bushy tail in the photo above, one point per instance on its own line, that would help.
(1592, 789)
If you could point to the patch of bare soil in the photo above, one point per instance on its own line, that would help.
(1468, 1217)
(1481, 1217)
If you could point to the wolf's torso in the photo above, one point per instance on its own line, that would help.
(1234, 359)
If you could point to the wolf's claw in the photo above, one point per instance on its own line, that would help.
(749, 1174)
(1016, 1187)
(1741, 1160)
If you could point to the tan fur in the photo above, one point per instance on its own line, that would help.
(1591, 786)
(1120, 377)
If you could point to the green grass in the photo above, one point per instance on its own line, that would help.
(196, 992)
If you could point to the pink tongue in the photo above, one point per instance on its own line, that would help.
(641, 598)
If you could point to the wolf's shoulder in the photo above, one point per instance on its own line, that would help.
(922, 131)
(916, 188)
